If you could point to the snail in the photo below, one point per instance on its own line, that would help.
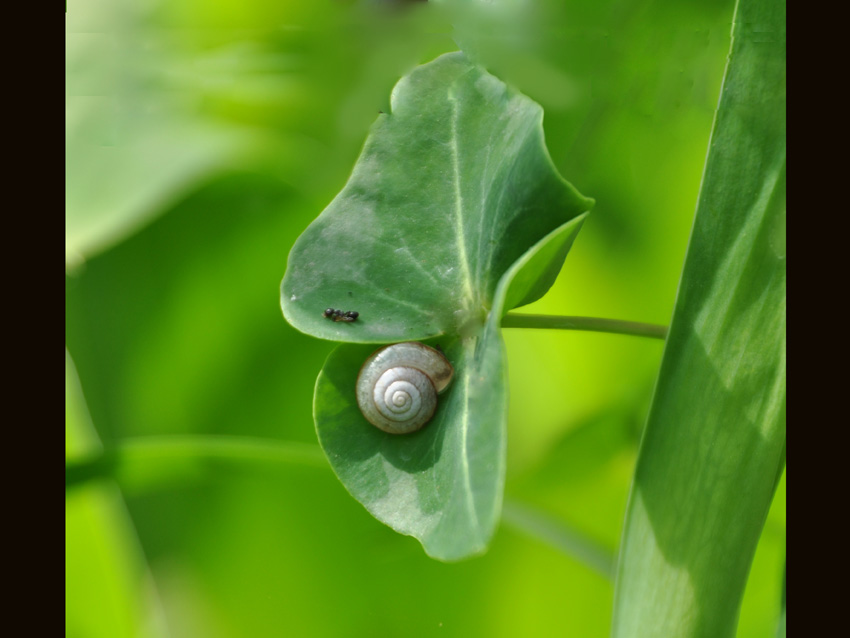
(398, 385)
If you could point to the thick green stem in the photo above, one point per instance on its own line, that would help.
(555, 322)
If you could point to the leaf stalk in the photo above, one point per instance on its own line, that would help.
(594, 324)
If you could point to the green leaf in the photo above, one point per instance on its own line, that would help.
(454, 213)
(452, 187)
(444, 483)
(714, 445)
(131, 144)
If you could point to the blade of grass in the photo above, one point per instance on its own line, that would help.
(714, 442)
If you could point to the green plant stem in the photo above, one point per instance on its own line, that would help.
(561, 536)
(596, 324)
(149, 461)
(145, 463)
(780, 630)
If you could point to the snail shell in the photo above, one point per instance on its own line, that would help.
(398, 385)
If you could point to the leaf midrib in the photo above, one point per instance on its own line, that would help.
(464, 456)
(460, 235)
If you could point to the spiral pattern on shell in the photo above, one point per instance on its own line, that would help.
(398, 385)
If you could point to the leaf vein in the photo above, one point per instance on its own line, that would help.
(460, 236)
(464, 429)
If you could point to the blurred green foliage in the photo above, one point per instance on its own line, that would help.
(202, 138)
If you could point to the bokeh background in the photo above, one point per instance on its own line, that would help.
(202, 137)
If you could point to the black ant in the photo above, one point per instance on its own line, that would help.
(339, 315)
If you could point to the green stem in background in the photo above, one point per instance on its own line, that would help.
(595, 324)
(558, 534)
(145, 463)
(780, 630)
(157, 460)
